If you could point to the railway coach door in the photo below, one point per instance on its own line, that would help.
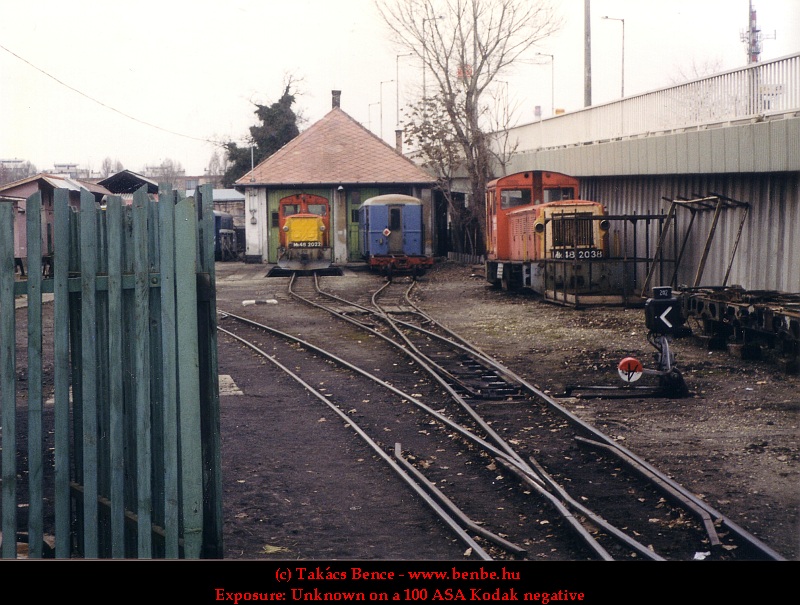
(395, 228)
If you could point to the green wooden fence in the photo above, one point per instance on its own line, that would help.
(126, 419)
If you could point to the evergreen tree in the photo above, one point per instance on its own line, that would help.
(278, 127)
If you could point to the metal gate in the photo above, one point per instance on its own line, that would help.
(126, 419)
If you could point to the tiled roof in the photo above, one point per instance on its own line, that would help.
(336, 149)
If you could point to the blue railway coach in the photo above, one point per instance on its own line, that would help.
(392, 234)
(224, 236)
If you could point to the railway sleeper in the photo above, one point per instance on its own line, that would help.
(498, 394)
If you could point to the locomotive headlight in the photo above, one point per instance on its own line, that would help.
(604, 224)
(286, 227)
(538, 226)
(322, 227)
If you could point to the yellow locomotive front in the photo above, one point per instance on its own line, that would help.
(304, 227)
(305, 243)
(571, 231)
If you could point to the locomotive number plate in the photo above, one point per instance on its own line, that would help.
(305, 245)
(582, 254)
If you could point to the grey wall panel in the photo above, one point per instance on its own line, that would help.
(692, 152)
(731, 137)
(777, 143)
(747, 149)
(718, 150)
(671, 159)
(625, 155)
(651, 144)
(634, 155)
(793, 145)
(704, 151)
(761, 148)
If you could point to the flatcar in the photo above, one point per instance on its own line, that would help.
(541, 236)
(304, 228)
(392, 234)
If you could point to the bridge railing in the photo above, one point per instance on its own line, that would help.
(756, 91)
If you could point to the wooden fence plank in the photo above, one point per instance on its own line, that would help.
(88, 234)
(8, 364)
(141, 346)
(188, 376)
(209, 380)
(33, 219)
(76, 354)
(156, 378)
(115, 344)
(169, 371)
(61, 370)
(136, 401)
(102, 390)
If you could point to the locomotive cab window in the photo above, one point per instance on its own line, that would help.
(318, 209)
(511, 198)
(556, 194)
(290, 209)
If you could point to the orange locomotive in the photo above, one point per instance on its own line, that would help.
(540, 235)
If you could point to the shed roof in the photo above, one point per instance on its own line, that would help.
(127, 181)
(335, 150)
(26, 186)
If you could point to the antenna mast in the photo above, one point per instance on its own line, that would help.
(753, 38)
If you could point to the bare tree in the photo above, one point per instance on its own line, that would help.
(464, 45)
(216, 169)
(168, 172)
(429, 131)
(14, 170)
(110, 167)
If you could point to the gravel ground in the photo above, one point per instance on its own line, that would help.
(734, 441)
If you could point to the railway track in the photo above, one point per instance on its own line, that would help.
(510, 472)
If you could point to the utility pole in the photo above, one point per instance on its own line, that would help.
(382, 83)
(587, 54)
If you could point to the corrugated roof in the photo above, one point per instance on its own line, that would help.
(57, 182)
(336, 149)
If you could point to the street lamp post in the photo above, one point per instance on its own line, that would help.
(381, 103)
(622, 93)
(397, 87)
(552, 82)
(369, 114)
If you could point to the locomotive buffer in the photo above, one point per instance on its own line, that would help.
(663, 319)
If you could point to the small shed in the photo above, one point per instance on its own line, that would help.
(336, 158)
(18, 191)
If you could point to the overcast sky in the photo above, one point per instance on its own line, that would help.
(141, 82)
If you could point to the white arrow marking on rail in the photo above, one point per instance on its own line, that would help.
(663, 317)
